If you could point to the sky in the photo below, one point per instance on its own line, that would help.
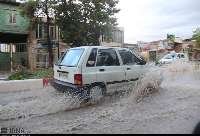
(149, 20)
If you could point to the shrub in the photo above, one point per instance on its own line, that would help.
(22, 74)
(46, 73)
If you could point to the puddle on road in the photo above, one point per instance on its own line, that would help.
(48, 101)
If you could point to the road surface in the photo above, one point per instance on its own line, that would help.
(174, 109)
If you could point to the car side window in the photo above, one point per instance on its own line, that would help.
(92, 58)
(107, 57)
(127, 57)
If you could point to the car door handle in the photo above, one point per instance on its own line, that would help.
(128, 69)
(101, 70)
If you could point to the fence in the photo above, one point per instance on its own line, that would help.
(5, 63)
(13, 54)
(20, 58)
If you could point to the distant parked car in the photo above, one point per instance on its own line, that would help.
(169, 58)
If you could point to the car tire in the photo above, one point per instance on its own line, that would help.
(96, 93)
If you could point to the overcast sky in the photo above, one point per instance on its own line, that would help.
(148, 20)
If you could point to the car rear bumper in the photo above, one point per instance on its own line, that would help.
(67, 87)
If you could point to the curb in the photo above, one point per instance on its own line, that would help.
(21, 85)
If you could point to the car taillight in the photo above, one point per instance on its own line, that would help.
(78, 79)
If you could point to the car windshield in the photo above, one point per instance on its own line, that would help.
(71, 58)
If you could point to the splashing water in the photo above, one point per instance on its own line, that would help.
(156, 78)
(48, 101)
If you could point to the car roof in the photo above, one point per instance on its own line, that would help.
(99, 47)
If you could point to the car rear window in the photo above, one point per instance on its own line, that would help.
(71, 58)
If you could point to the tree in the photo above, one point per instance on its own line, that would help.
(83, 21)
(171, 38)
(196, 36)
(36, 8)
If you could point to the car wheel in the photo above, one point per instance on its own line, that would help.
(96, 93)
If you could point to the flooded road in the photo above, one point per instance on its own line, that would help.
(174, 108)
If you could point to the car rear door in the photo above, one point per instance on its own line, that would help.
(108, 67)
(88, 67)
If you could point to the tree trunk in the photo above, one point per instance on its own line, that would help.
(48, 36)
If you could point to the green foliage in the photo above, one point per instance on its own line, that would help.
(37, 8)
(171, 38)
(29, 8)
(48, 73)
(24, 74)
(196, 36)
(20, 74)
(83, 21)
(157, 61)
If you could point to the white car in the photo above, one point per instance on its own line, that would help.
(169, 58)
(90, 69)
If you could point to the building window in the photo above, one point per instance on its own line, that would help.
(42, 60)
(12, 18)
(52, 32)
(39, 33)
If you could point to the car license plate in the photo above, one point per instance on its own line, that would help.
(63, 74)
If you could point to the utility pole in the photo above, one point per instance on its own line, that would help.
(58, 43)
(11, 58)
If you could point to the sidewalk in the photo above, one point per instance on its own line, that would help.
(4, 76)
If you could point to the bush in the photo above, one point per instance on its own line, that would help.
(46, 73)
(20, 75)
(157, 62)
(23, 74)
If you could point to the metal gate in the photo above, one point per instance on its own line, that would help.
(20, 55)
(5, 59)
(5, 63)
(13, 55)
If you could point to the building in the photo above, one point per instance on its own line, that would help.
(21, 46)
(117, 39)
(38, 44)
(13, 36)
(155, 50)
(134, 47)
(193, 50)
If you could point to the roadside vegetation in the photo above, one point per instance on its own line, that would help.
(23, 74)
